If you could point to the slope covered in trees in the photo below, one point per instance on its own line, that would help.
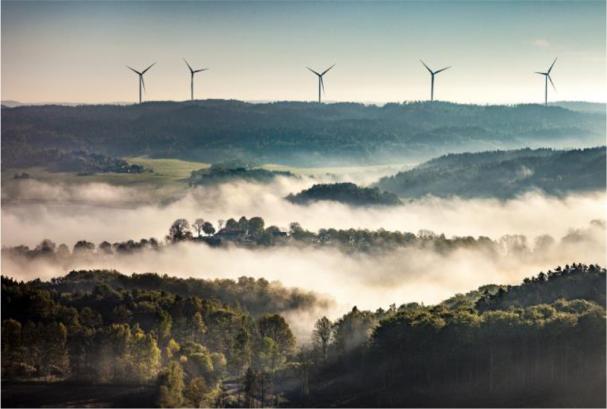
(225, 173)
(549, 352)
(103, 328)
(347, 193)
(570, 282)
(582, 106)
(292, 132)
(503, 174)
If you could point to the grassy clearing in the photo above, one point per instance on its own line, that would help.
(165, 173)
(174, 169)
(171, 174)
(119, 179)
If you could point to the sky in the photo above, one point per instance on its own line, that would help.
(257, 51)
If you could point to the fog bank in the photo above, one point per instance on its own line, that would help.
(365, 280)
(98, 212)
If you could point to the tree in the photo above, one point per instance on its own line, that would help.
(243, 224)
(165, 325)
(208, 228)
(171, 386)
(353, 329)
(276, 328)
(11, 335)
(232, 224)
(242, 350)
(198, 326)
(63, 251)
(198, 225)
(251, 387)
(84, 246)
(105, 247)
(54, 349)
(46, 247)
(171, 350)
(323, 332)
(145, 354)
(195, 392)
(269, 355)
(180, 230)
(256, 226)
(12, 347)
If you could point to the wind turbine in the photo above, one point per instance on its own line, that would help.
(141, 82)
(432, 74)
(546, 79)
(192, 72)
(321, 84)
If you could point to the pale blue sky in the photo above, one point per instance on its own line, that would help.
(77, 51)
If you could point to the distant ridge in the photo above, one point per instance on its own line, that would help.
(583, 106)
(12, 104)
(295, 133)
(503, 174)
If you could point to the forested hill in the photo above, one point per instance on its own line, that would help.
(503, 174)
(292, 132)
(347, 193)
(570, 282)
(541, 344)
(255, 296)
(581, 106)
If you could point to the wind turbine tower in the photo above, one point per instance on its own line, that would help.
(192, 72)
(546, 79)
(141, 82)
(321, 84)
(432, 74)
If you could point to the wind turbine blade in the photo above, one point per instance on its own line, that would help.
(442, 69)
(186, 63)
(327, 70)
(142, 81)
(322, 84)
(313, 71)
(200, 70)
(428, 68)
(134, 70)
(552, 83)
(144, 71)
(541, 73)
(554, 62)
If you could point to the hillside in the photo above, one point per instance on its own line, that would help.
(503, 174)
(175, 342)
(347, 193)
(582, 106)
(294, 133)
(217, 174)
(143, 333)
(569, 282)
(548, 351)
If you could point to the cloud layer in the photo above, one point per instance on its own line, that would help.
(97, 212)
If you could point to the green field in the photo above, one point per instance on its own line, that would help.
(163, 172)
(168, 169)
(172, 174)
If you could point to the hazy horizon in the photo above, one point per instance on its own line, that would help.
(376, 103)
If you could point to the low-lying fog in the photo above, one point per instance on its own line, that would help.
(98, 212)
